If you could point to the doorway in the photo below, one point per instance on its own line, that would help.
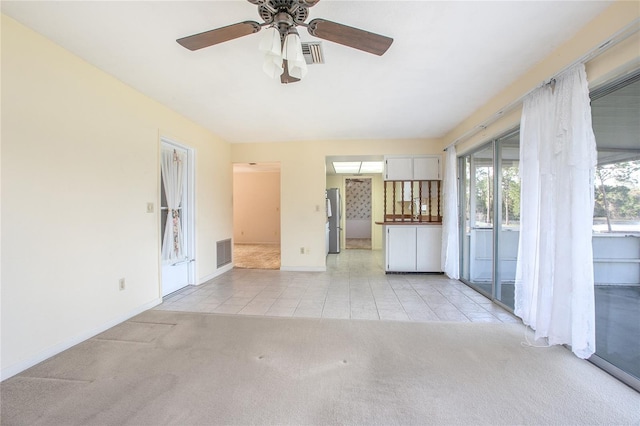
(256, 215)
(358, 213)
(176, 216)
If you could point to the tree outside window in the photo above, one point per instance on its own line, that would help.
(617, 197)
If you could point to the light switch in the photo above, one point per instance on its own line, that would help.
(149, 207)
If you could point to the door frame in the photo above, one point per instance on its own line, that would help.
(496, 267)
(189, 228)
(343, 207)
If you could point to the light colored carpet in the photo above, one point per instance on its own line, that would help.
(256, 256)
(358, 243)
(200, 369)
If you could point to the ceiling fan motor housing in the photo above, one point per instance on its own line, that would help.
(270, 11)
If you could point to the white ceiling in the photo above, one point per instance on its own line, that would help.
(448, 58)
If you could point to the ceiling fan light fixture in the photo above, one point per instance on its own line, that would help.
(272, 66)
(292, 52)
(271, 45)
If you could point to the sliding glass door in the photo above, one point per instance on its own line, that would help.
(490, 225)
(477, 233)
(490, 202)
(507, 217)
(616, 228)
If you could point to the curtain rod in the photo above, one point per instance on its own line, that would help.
(616, 38)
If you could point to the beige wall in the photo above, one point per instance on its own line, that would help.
(303, 184)
(256, 207)
(80, 161)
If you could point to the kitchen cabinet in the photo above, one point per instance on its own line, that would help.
(412, 248)
(426, 167)
(401, 248)
(428, 248)
(398, 168)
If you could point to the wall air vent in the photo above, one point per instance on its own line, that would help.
(312, 52)
(224, 251)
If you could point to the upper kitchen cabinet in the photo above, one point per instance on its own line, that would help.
(427, 168)
(398, 168)
(423, 167)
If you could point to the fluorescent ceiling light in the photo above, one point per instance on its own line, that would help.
(346, 166)
(358, 167)
(372, 167)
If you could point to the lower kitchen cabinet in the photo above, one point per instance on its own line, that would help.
(412, 248)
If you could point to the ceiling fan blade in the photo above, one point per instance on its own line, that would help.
(349, 36)
(219, 35)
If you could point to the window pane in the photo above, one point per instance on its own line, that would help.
(509, 211)
(617, 198)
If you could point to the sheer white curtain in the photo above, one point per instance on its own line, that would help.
(172, 166)
(450, 261)
(554, 273)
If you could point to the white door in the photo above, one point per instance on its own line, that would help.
(176, 206)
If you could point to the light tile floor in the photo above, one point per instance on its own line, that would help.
(354, 286)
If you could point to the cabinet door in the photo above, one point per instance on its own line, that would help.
(428, 248)
(401, 248)
(426, 168)
(398, 168)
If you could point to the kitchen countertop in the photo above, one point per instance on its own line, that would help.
(408, 220)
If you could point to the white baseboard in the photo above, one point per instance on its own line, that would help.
(304, 268)
(56, 349)
(217, 273)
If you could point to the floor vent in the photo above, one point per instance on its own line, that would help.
(312, 52)
(223, 249)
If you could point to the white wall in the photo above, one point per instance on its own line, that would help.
(80, 162)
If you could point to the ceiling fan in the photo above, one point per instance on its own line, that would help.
(284, 48)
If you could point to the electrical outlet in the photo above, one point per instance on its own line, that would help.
(121, 284)
(149, 207)
(306, 250)
(301, 250)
